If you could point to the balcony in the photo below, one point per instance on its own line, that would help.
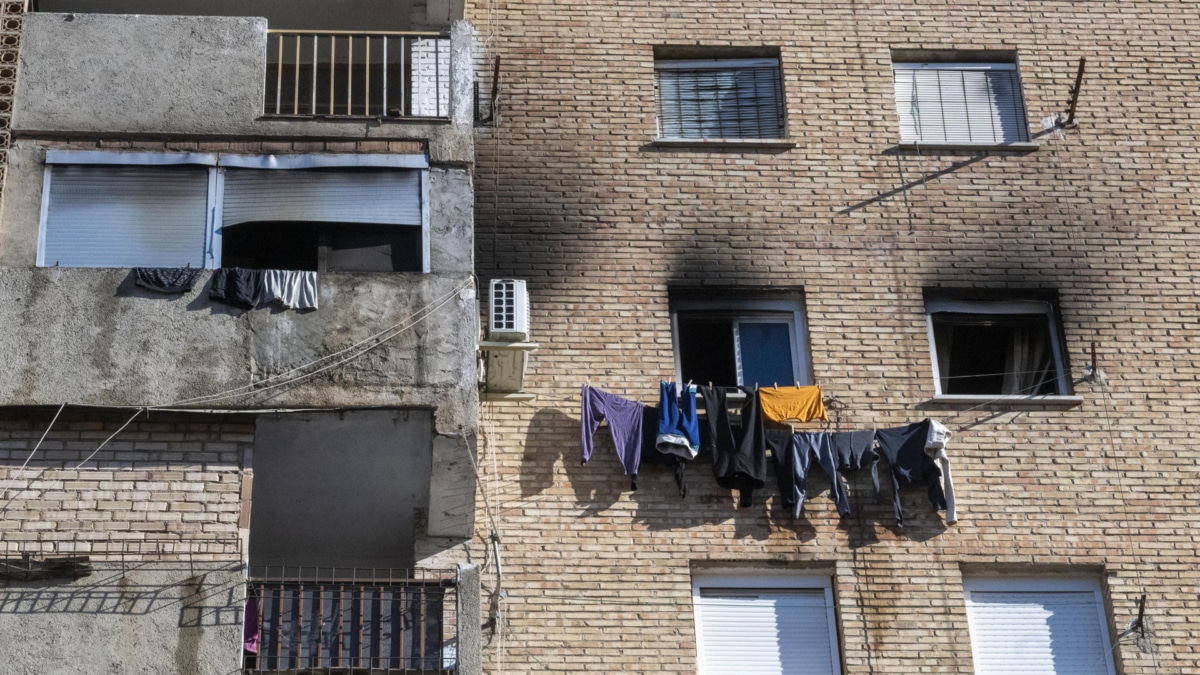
(351, 621)
(344, 74)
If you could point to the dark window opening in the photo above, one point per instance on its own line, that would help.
(995, 354)
(706, 350)
(322, 247)
(730, 350)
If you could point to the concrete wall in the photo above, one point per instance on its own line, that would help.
(339, 489)
(136, 619)
(291, 14)
(98, 74)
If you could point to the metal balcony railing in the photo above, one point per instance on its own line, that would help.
(357, 74)
(353, 620)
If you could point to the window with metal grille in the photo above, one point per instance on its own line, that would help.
(719, 98)
(960, 103)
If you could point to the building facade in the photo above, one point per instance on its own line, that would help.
(909, 206)
(240, 324)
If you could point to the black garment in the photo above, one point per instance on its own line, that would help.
(856, 450)
(904, 448)
(236, 286)
(166, 279)
(739, 455)
(779, 442)
(651, 455)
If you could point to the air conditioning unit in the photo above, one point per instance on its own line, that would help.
(508, 311)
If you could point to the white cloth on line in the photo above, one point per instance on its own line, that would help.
(289, 288)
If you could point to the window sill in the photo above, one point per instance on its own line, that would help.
(409, 119)
(943, 401)
(968, 147)
(724, 143)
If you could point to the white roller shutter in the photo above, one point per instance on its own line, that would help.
(385, 197)
(1038, 627)
(125, 216)
(960, 103)
(766, 631)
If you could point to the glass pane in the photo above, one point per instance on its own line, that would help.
(765, 353)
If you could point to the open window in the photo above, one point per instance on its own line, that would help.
(951, 97)
(740, 340)
(996, 348)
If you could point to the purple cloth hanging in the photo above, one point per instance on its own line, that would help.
(624, 423)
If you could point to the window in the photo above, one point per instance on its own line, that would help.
(719, 98)
(995, 348)
(353, 213)
(740, 341)
(765, 625)
(959, 102)
(1038, 627)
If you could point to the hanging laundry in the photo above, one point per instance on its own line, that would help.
(935, 447)
(650, 418)
(856, 450)
(289, 288)
(166, 279)
(792, 404)
(678, 426)
(624, 423)
(793, 465)
(250, 625)
(236, 286)
(739, 455)
(904, 448)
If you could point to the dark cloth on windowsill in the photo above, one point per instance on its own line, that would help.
(166, 279)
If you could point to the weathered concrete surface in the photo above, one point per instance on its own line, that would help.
(339, 489)
(452, 221)
(470, 640)
(148, 619)
(91, 336)
(291, 14)
(21, 205)
(89, 74)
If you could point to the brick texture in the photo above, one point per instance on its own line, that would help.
(167, 488)
(573, 198)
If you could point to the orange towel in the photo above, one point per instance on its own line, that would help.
(794, 404)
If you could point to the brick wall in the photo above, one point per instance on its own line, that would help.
(166, 488)
(572, 197)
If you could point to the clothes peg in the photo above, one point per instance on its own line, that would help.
(776, 385)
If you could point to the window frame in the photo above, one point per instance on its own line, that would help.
(918, 60)
(1032, 585)
(750, 310)
(700, 60)
(215, 165)
(766, 581)
(984, 307)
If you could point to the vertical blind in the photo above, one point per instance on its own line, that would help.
(384, 197)
(960, 103)
(1038, 632)
(766, 632)
(125, 216)
(719, 98)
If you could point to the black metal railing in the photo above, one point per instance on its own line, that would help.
(351, 620)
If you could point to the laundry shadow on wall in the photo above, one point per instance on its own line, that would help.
(553, 435)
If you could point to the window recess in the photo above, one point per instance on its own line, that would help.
(719, 98)
(996, 348)
(747, 342)
(1049, 626)
(960, 103)
(765, 625)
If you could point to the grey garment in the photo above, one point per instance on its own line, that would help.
(290, 288)
(166, 279)
(805, 448)
(856, 450)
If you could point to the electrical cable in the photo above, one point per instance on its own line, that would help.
(33, 452)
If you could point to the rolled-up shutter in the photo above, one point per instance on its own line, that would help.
(960, 103)
(766, 632)
(1037, 632)
(384, 197)
(125, 216)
